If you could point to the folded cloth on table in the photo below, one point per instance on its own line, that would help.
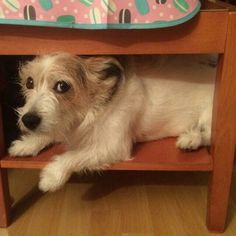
(98, 14)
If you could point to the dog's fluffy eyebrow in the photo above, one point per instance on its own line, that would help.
(74, 66)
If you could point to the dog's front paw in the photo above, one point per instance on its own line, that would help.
(21, 148)
(53, 177)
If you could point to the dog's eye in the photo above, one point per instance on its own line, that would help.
(29, 83)
(61, 87)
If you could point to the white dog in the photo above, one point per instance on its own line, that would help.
(98, 108)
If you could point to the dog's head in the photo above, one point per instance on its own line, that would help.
(61, 88)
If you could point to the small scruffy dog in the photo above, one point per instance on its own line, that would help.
(98, 108)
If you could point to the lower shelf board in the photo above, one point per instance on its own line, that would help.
(155, 155)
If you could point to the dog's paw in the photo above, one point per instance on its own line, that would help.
(21, 148)
(53, 177)
(189, 141)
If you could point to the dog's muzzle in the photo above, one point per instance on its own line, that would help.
(31, 120)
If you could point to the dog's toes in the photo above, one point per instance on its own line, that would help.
(20, 148)
(189, 141)
(46, 184)
(16, 148)
(52, 177)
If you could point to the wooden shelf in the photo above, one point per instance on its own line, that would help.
(157, 155)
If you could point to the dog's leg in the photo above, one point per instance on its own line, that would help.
(29, 145)
(96, 156)
(205, 123)
(56, 173)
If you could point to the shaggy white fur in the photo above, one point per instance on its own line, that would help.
(98, 108)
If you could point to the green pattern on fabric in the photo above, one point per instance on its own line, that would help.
(181, 5)
(66, 19)
(46, 4)
(142, 6)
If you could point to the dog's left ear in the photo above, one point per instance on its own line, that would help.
(106, 74)
(104, 67)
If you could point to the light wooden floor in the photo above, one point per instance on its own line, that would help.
(115, 203)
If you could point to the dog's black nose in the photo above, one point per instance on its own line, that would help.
(31, 120)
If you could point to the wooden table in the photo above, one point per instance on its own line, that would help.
(212, 31)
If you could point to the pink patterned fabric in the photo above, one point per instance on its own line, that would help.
(96, 11)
